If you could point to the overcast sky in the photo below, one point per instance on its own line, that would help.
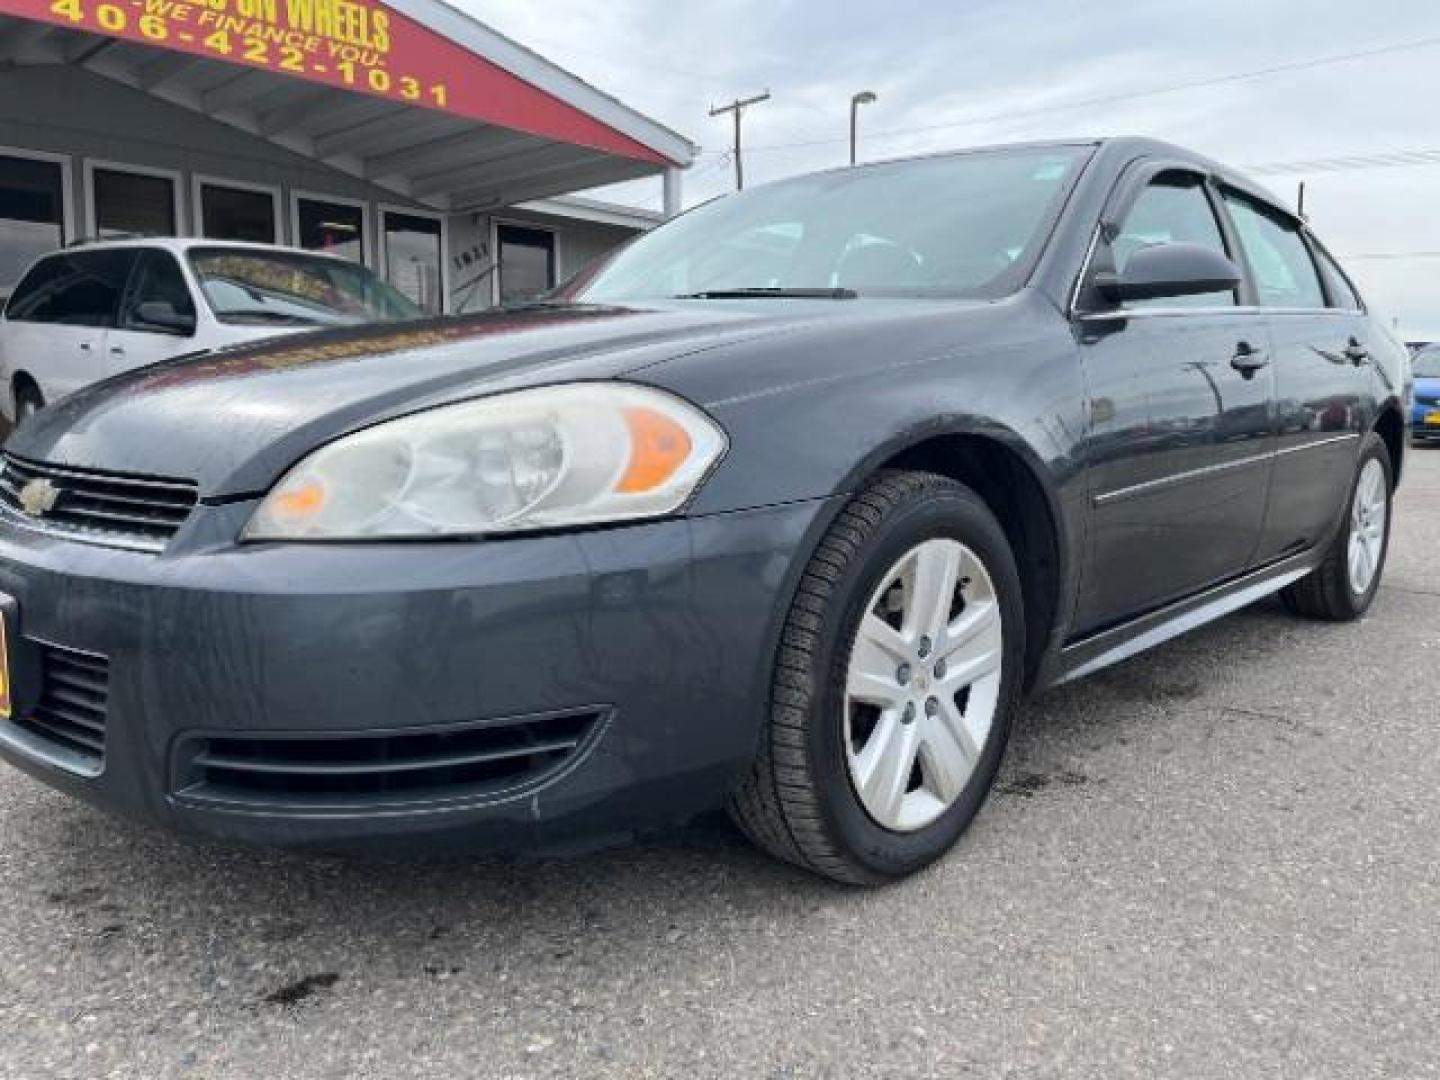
(986, 71)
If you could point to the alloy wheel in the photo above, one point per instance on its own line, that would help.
(923, 684)
(1368, 513)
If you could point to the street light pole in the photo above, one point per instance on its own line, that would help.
(865, 97)
(737, 107)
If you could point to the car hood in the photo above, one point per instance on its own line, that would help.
(233, 420)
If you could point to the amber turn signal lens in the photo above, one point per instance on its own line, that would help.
(658, 446)
(302, 501)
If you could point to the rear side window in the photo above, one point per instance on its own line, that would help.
(1174, 209)
(1337, 285)
(72, 289)
(1285, 275)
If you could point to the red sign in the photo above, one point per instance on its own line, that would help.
(365, 47)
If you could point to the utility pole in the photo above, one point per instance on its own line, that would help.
(737, 107)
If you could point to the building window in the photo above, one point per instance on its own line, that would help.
(136, 204)
(526, 261)
(230, 213)
(32, 214)
(414, 258)
(331, 227)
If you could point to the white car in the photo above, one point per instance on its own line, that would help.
(96, 309)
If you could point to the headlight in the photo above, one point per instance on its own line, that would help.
(534, 459)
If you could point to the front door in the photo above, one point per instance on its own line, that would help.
(157, 316)
(1180, 440)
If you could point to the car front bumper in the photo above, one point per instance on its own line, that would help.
(662, 633)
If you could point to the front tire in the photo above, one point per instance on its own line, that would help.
(1343, 587)
(893, 691)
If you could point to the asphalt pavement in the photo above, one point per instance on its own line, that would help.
(1221, 859)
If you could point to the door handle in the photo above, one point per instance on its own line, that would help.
(117, 350)
(84, 346)
(1248, 359)
(1356, 353)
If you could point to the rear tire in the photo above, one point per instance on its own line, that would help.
(866, 771)
(1343, 587)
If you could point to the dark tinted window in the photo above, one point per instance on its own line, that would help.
(527, 262)
(1285, 275)
(237, 214)
(157, 280)
(1342, 293)
(334, 228)
(130, 203)
(73, 289)
(1174, 209)
(31, 197)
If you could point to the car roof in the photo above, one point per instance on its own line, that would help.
(182, 244)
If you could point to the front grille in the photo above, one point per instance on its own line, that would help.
(1428, 399)
(70, 712)
(104, 507)
(319, 773)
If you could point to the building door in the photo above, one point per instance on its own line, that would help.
(414, 257)
(526, 262)
(32, 215)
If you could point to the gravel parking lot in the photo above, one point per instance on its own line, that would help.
(1220, 859)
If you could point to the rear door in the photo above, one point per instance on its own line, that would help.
(1322, 376)
(1180, 397)
(157, 317)
(58, 318)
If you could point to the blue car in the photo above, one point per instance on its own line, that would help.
(1425, 410)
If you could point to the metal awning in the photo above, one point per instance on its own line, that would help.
(413, 96)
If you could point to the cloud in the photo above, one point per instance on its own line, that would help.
(951, 74)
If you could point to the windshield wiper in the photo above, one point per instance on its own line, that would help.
(774, 292)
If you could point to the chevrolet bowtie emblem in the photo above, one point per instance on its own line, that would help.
(38, 497)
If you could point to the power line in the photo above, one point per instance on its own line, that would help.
(1376, 256)
(1345, 163)
(1111, 99)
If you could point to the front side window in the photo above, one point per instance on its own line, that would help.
(1174, 209)
(1285, 275)
(32, 199)
(159, 300)
(262, 288)
(228, 213)
(132, 204)
(959, 225)
(73, 289)
(1426, 363)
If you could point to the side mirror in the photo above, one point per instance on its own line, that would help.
(1165, 270)
(161, 315)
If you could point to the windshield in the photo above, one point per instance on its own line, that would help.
(285, 288)
(1426, 364)
(961, 225)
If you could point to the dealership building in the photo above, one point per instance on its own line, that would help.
(406, 136)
